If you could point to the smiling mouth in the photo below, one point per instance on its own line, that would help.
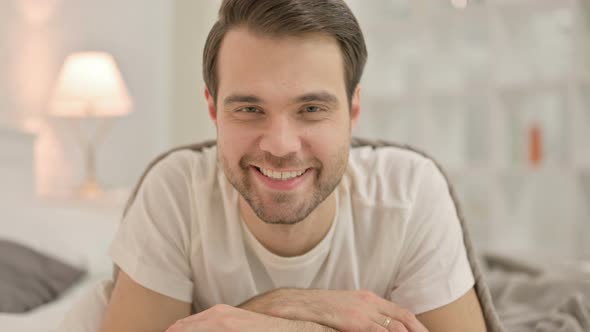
(281, 176)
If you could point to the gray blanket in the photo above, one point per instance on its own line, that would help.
(532, 297)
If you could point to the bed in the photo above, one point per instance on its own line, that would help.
(76, 236)
(527, 295)
(536, 295)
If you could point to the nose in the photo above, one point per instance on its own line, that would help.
(280, 137)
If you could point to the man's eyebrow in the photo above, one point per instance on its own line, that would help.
(234, 99)
(322, 96)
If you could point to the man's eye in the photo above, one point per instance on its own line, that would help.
(312, 109)
(249, 109)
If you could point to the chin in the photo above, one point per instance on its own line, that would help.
(280, 213)
(280, 219)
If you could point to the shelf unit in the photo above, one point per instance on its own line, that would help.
(468, 85)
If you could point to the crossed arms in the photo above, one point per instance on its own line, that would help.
(135, 308)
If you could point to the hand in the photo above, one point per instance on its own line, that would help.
(229, 319)
(345, 311)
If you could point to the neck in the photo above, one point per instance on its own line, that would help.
(296, 239)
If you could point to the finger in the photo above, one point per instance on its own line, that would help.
(382, 320)
(390, 324)
(397, 326)
(402, 315)
(376, 327)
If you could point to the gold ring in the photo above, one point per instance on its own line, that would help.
(386, 322)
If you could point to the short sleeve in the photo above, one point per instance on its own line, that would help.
(153, 240)
(434, 269)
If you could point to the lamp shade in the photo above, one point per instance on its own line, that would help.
(90, 84)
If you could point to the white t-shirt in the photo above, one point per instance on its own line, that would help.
(396, 233)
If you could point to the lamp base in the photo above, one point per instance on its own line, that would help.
(90, 189)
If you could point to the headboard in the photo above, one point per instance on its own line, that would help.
(17, 155)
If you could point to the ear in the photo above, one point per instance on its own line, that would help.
(211, 106)
(355, 107)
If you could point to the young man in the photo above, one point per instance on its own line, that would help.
(281, 226)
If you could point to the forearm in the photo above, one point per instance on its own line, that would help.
(288, 303)
(227, 318)
(333, 309)
(296, 326)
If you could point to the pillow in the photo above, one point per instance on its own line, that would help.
(29, 278)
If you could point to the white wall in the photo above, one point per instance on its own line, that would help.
(189, 119)
(32, 52)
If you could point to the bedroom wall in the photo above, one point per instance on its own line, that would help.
(35, 38)
(192, 22)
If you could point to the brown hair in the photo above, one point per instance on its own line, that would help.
(289, 18)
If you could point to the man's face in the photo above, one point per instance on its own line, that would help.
(283, 121)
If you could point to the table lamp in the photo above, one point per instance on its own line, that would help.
(90, 87)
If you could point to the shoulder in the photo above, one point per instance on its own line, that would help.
(388, 175)
(172, 182)
(184, 164)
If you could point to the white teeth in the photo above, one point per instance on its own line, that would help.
(281, 175)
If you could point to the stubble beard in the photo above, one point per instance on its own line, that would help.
(287, 208)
